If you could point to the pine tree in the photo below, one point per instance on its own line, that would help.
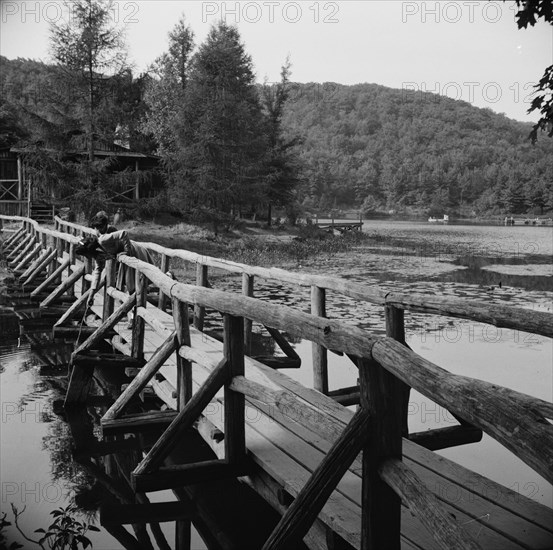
(282, 163)
(89, 47)
(164, 95)
(221, 128)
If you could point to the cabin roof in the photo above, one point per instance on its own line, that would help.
(119, 152)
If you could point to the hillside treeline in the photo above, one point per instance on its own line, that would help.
(386, 149)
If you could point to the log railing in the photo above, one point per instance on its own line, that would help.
(386, 366)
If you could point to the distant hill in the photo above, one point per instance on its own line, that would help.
(386, 149)
(363, 146)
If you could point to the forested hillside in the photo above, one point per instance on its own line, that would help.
(364, 146)
(389, 149)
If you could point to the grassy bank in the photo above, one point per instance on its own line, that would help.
(253, 245)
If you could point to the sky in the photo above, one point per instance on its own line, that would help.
(468, 50)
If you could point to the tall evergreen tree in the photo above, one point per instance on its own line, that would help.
(221, 128)
(282, 163)
(164, 94)
(89, 47)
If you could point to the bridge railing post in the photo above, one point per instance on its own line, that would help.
(395, 328)
(165, 264)
(235, 428)
(72, 258)
(111, 266)
(199, 311)
(184, 367)
(247, 290)
(380, 395)
(319, 353)
(138, 327)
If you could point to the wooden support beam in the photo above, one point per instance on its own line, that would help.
(164, 267)
(183, 535)
(247, 290)
(73, 309)
(77, 332)
(423, 504)
(141, 285)
(278, 362)
(138, 422)
(110, 269)
(381, 395)
(18, 249)
(310, 501)
(157, 512)
(184, 419)
(103, 448)
(107, 360)
(29, 257)
(283, 344)
(73, 262)
(184, 367)
(144, 376)
(346, 400)
(235, 434)
(168, 477)
(199, 311)
(80, 383)
(65, 285)
(46, 260)
(12, 239)
(43, 253)
(107, 325)
(395, 328)
(51, 278)
(445, 438)
(319, 353)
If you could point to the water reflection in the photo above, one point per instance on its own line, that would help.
(54, 457)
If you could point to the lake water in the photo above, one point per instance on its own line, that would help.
(36, 469)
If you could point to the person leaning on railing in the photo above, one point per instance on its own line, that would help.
(100, 222)
(106, 245)
(111, 245)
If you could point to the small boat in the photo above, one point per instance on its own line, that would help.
(445, 219)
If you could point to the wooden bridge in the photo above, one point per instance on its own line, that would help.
(340, 479)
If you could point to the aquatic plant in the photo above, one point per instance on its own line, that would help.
(64, 533)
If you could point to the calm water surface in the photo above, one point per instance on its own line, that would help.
(36, 469)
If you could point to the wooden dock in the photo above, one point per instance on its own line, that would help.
(338, 225)
(340, 479)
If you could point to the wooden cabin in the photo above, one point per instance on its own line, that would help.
(19, 197)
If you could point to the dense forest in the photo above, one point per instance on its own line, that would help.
(239, 147)
(384, 149)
